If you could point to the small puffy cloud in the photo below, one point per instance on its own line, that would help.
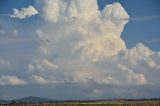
(4, 64)
(48, 64)
(42, 65)
(38, 80)
(2, 32)
(15, 32)
(137, 78)
(11, 80)
(43, 80)
(8, 33)
(24, 12)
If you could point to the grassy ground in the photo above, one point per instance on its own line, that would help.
(106, 104)
(113, 103)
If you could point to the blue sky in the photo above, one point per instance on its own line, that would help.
(79, 52)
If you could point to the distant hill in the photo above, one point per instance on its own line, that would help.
(30, 99)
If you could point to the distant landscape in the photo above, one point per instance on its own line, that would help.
(37, 101)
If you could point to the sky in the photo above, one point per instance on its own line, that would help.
(79, 49)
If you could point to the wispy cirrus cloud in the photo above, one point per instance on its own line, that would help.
(152, 41)
(142, 18)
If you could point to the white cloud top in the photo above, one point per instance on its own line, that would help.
(64, 10)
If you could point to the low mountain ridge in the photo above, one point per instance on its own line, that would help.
(30, 99)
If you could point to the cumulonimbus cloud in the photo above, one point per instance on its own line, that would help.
(88, 47)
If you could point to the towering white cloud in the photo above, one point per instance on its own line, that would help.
(24, 12)
(96, 34)
(85, 47)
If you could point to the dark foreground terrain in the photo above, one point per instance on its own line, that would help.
(111, 103)
(36, 101)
